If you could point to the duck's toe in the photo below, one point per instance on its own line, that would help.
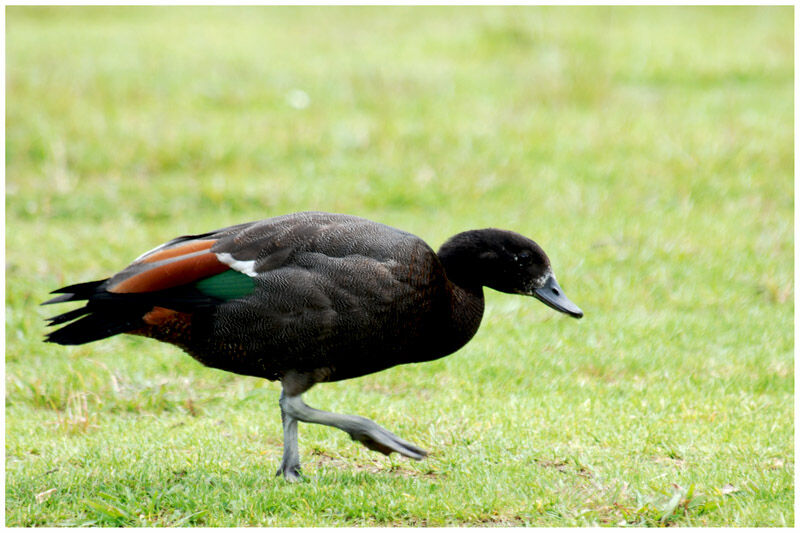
(384, 441)
(291, 473)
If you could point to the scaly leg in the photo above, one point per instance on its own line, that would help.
(359, 428)
(290, 464)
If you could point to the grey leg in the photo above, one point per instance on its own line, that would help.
(359, 428)
(290, 464)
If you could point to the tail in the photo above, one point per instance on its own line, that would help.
(110, 313)
(98, 321)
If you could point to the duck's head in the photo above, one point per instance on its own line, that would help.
(507, 262)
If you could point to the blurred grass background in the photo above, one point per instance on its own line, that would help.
(648, 150)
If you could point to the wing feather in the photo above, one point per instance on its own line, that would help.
(169, 273)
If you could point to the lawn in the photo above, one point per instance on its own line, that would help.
(648, 150)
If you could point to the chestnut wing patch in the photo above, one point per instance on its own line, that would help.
(169, 273)
(175, 251)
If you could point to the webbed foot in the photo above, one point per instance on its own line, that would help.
(291, 473)
(384, 441)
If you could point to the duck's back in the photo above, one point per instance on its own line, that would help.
(336, 295)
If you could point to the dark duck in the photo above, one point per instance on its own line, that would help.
(311, 297)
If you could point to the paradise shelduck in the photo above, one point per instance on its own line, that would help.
(311, 297)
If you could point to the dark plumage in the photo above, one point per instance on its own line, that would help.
(311, 297)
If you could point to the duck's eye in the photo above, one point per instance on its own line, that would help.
(524, 255)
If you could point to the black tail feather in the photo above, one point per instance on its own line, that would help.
(66, 317)
(101, 320)
(93, 327)
(79, 291)
(63, 298)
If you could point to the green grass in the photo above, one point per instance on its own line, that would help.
(648, 150)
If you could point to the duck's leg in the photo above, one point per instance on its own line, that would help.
(290, 464)
(359, 428)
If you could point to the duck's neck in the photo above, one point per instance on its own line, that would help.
(463, 258)
(466, 314)
(460, 259)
